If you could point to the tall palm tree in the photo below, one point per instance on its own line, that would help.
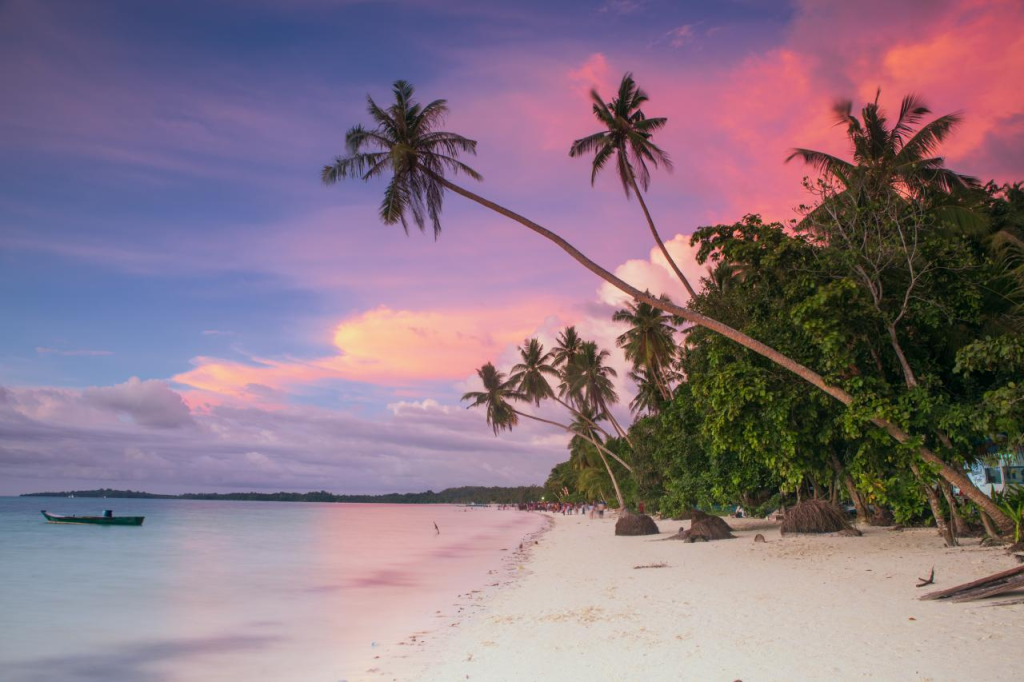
(900, 158)
(418, 158)
(497, 397)
(567, 346)
(582, 450)
(649, 342)
(530, 374)
(649, 397)
(407, 144)
(591, 379)
(529, 379)
(627, 136)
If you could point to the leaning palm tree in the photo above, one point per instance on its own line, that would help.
(529, 378)
(407, 144)
(649, 398)
(649, 342)
(567, 346)
(627, 137)
(582, 455)
(901, 158)
(591, 379)
(497, 397)
(530, 374)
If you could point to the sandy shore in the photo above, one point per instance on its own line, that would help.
(794, 608)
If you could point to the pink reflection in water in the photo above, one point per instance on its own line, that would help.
(334, 589)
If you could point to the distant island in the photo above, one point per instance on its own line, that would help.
(463, 495)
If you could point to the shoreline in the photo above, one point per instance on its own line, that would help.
(795, 607)
(399, 660)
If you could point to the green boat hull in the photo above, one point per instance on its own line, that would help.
(96, 520)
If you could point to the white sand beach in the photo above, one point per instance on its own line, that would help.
(794, 608)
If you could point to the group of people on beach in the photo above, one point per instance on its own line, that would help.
(591, 509)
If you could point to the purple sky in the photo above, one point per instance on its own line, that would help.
(185, 307)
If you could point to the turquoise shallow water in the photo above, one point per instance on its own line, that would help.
(232, 590)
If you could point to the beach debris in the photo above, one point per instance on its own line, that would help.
(759, 538)
(660, 564)
(997, 583)
(930, 580)
(704, 528)
(1007, 602)
(635, 524)
(815, 516)
(436, 528)
(850, 533)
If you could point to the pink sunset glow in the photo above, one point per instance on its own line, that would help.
(322, 312)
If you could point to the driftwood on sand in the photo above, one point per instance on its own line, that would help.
(997, 583)
(704, 528)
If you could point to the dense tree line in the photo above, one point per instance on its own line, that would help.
(869, 351)
(462, 495)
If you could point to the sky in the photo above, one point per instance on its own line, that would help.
(185, 307)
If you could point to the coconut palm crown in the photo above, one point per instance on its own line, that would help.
(627, 137)
(530, 375)
(406, 143)
(567, 347)
(902, 156)
(591, 379)
(649, 341)
(496, 397)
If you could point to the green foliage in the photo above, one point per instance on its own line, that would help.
(1011, 501)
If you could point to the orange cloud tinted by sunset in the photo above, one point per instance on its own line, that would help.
(382, 346)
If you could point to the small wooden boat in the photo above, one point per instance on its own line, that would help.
(108, 519)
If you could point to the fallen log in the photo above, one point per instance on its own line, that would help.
(997, 583)
(1008, 602)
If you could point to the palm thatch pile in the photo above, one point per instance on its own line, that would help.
(816, 516)
(704, 528)
(635, 524)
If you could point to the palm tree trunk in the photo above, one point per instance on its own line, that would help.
(615, 424)
(657, 237)
(601, 450)
(957, 521)
(858, 501)
(936, 507)
(596, 426)
(957, 478)
(659, 380)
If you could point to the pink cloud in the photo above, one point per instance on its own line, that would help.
(655, 275)
(382, 346)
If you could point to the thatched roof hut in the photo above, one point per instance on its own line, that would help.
(704, 528)
(816, 516)
(635, 524)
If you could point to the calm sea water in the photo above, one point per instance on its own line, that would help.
(233, 590)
